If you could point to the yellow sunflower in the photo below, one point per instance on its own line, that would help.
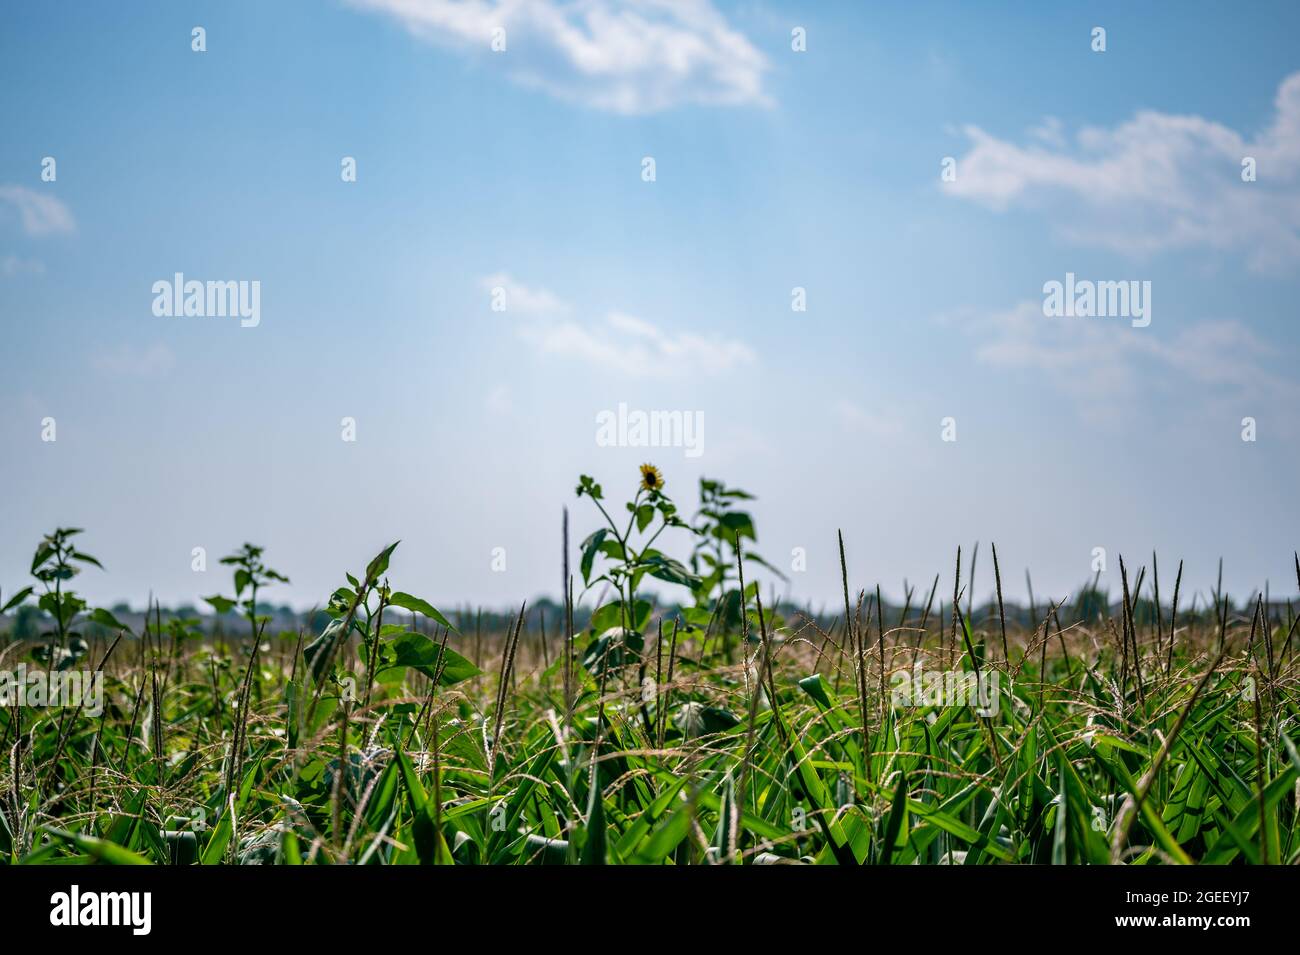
(651, 479)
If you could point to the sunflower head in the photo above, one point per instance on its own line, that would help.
(651, 479)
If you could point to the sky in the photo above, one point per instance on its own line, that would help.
(920, 171)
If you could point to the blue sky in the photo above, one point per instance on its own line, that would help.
(522, 170)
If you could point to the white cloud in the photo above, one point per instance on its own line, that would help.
(874, 423)
(41, 214)
(520, 298)
(126, 361)
(499, 401)
(618, 342)
(11, 265)
(1104, 366)
(623, 56)
(634, 347)
(1155, 182)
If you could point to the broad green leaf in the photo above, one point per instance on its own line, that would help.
(101, 850)
(417, 605)
(417, 651)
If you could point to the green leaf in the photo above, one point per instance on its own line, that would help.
(1291, 752)
(43, 553)
(105, 619)
(737, 524)
(422, 827)
(417, 651)
(961, 830)
(219, 841)
(417, 605)
(666, 837)
(665, 568)
(715, 719)
(290, 851)
(376, 568)
(1060, 837)
(895, 836)
(611, 615)
(589, 548)
(644, 515)
(16, 599)
(699, 617)
(593, 850)
(722, 834)
(293, 711)
(528, 782)
(320, 651)
(1246, 823)
(612, 649)
(101, 850)
(815, 687)
(221, 604)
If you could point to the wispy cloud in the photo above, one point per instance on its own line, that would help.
(623, 56)
(525, 299)
(637, 348)
(875, 423)
(1155, 182)
(11, 265)
(127, 361)
(1106, 366)
(617, 341)
(499, 400)
(40, 213)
